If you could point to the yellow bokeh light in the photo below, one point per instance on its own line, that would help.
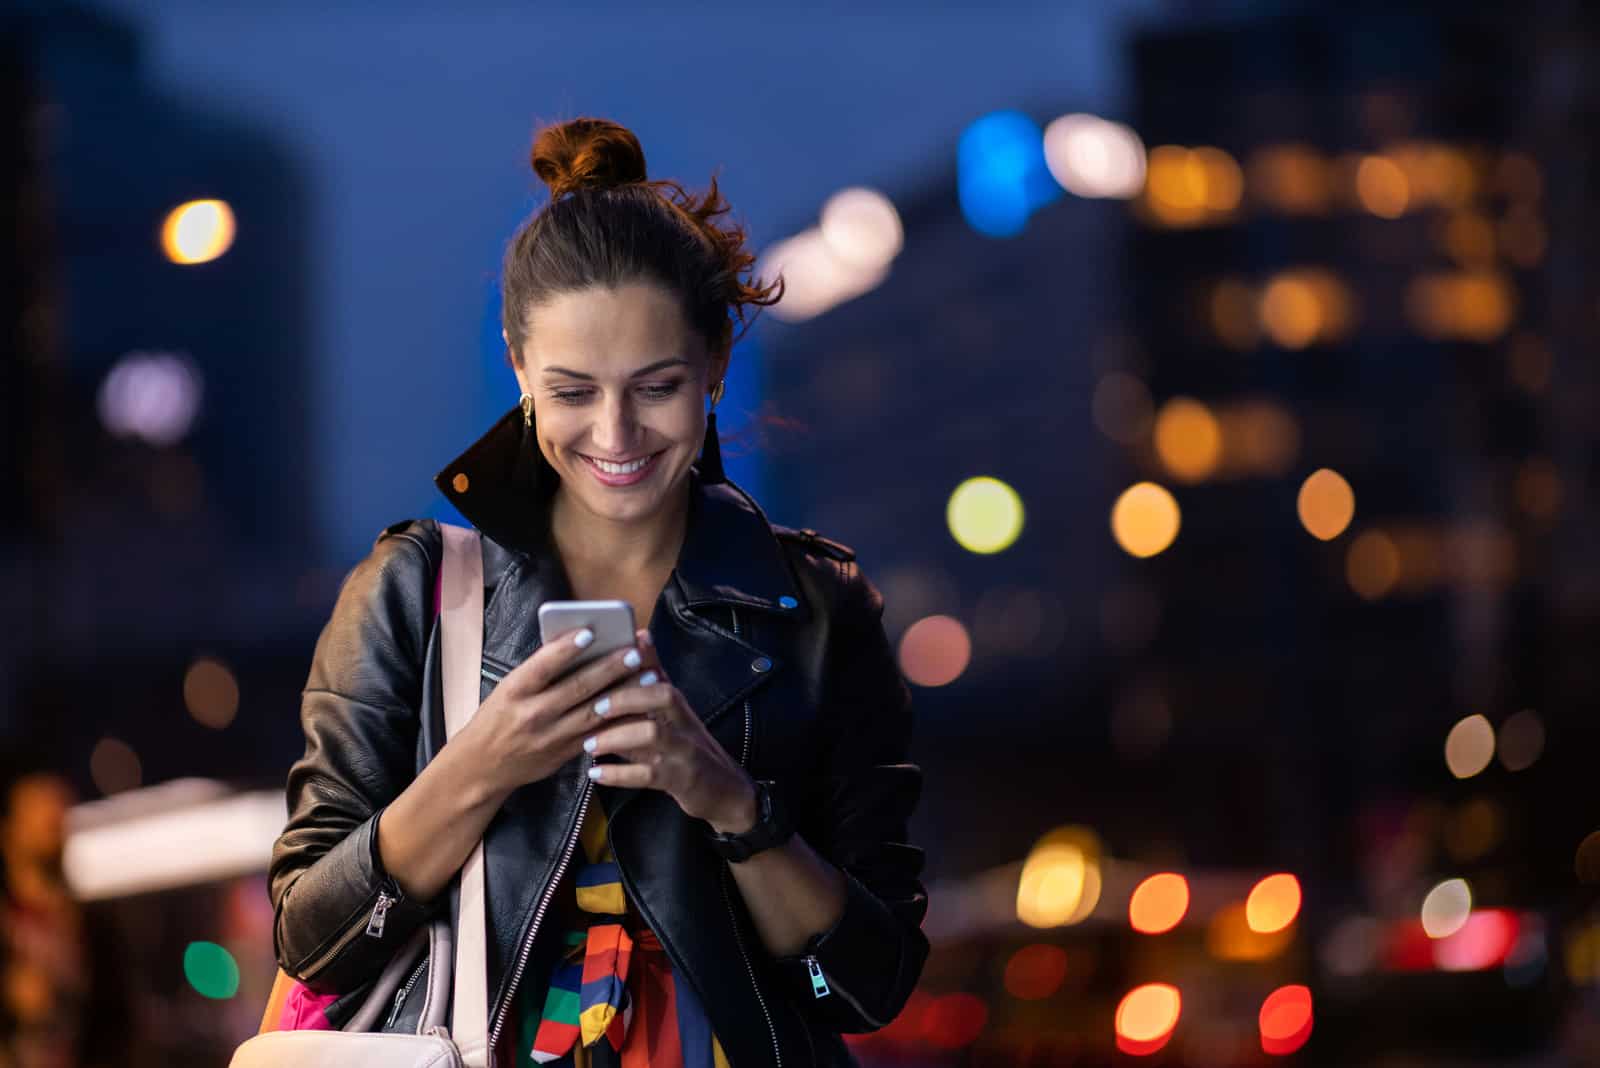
(1060, 882)
(1273, 904)
(198, 231)
(984, 515)
(1326, 504)
(1475, 306)
(1446, 908)
(1382, 188)
(1184, 186)
(1469, 239)
(1469, 746)
(1145, 519)
(1372, 565)
(1188, 439)
(1158, 903)
(1224, 183)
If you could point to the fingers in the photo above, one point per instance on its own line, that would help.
(629, 739)
(550, 661)
(583, 684)
(645, 695)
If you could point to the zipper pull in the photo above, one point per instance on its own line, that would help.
(380, 913)
(819, 985)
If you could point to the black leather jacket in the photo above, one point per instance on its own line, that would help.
(774, 637)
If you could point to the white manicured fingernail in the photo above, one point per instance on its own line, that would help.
(594, 772)
(649, 678)
(583, 638)
(602, 706)
(590, 744)
(633, 659)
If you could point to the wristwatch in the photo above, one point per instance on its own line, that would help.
(772, 828)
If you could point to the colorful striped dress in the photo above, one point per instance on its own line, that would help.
(611, 1000)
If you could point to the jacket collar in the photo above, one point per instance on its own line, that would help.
(503, 486)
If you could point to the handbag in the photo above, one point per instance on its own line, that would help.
(433, 1045)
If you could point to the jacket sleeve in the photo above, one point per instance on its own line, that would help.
(338, 916)
(872, 957)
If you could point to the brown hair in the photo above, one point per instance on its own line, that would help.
(607, 224)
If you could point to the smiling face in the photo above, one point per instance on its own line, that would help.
(617, 377)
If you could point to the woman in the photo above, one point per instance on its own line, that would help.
(696, 847)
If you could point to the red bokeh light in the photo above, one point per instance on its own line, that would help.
(1035, 972)
(1146, 1018)
(1285, 1020)
(954, 1020)
(1484, 941)
(1159, 903)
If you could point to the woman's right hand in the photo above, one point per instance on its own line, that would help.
(536, 719)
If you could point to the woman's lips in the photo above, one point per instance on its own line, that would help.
(621, 480)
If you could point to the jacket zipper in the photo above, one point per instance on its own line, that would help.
(405, 992)
(373, 928)
(727, 895)
(538, 916)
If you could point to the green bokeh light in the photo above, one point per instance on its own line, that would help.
(211, 970)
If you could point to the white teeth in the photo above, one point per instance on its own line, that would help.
(618, 469)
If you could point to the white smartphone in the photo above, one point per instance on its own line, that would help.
(611, 621)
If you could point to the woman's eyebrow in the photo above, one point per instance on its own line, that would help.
(673, 361)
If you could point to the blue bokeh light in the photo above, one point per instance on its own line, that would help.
(1001, 176)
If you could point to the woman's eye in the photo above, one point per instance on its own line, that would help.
(660, 391)
(570, 396)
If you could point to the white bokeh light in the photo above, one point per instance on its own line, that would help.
(861, 228)
(814, 278)
(1093, 157)
(153, 396)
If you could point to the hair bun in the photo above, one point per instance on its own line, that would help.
(587, 154)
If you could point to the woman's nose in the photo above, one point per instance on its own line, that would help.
(614, 430)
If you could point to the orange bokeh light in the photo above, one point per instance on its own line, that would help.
(1188, 439)
(1285, 1020)
(1035, 972)
(1146, 1018)
(1158, 903)
(1273, 904)
(934, 651)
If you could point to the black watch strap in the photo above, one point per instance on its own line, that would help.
(772, 828)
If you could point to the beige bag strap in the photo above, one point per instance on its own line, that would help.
(461, 653)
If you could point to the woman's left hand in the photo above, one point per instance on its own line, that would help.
(665, 746)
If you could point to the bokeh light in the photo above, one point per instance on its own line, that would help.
(934, 651)
(1372, 564)
(1229, 937)
(1290, 178)
(952, 1021)
(1234, 312)
(1259, 437)
(1191, 186)
(1273, 904)
(1146, 1018)
(1121, 407)
(114, 766)
(1036, 971)
(1446, 908)
(815, 279)
(1483, 941)
(211, 693)
(1382, 188)
(861, 227)
(1093, 157)
(984, 515)
(198, 231)
(1520, 740)
(154, 396)
(211, 970)
(1586, 862)
(1466, 305)
(1158, 903)
(1469, 746)
(1001, 174)
(1060, 883)
(1285, 1020)
(1326, 504)
(1306, 306)
(1188, 439)
(1145, 519)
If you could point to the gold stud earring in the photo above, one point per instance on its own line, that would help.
(527, 410)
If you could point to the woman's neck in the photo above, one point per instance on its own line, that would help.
(590, 544)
